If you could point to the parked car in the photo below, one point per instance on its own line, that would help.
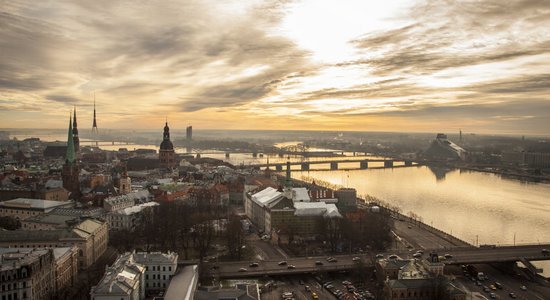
(291, 267)
(523, 288)
(282, 263)
(243, 270)
(356, 258)
(253, 264)
(512, 295)
(318, 263)
(448, 256)
(379, 256)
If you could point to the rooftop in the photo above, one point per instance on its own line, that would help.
(266, 196)
(39, 204)
(316, 209)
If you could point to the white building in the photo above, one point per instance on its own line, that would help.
(159, 268)
(124, 201)
(124, 280)
(128, 218)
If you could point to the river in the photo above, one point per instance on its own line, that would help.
(477, 207)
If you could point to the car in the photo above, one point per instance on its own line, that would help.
(307, 288)
(523, 288)
(282, 263)
(379, 256)
(448, 256)
(329, 286)
(486, 289)
(356, 258)
(291, 267)
(417, 255)
(243, 270)
(492, 287)
(318, 263)
(545, 252)
(301, 282)
(345, 282)
(333, 260)
(478, 283)
(327, 283)
(393, 256)
(512, 295)
(329, 258)
(314, 296)
(498, 285)
(253, 264)
(493, 295)
(420, 251)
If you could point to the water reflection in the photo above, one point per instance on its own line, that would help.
(473, 205)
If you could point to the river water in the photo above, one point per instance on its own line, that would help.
(477, 207)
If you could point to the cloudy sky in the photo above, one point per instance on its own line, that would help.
(396, 65)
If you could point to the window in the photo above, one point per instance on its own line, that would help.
(170, 269)
(164, 268)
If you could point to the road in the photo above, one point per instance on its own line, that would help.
(344, 262)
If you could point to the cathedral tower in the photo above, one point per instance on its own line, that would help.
(167, 155)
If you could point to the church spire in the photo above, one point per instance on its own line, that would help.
(76, 139)
(70, 157)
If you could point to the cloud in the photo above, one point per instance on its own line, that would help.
(63, 99)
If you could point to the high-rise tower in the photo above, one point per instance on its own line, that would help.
(94, 125)
(70, 171)
(167, 155)
(76, 139)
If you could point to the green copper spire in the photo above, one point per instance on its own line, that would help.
(71, 156)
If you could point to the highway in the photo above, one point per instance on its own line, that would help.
(344, 262)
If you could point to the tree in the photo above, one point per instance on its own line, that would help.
(234, 237)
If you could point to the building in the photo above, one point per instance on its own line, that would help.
(66, 267)
(27, 274)
(71, 171)
(443, 149)
(134, 275)
(129, 218)
(347, 198)
(189, 133)
(123, 280)
(123, 201)
(290, 210)
(22, 208)
(167, 155)
(412, 279)
(159, 269)
(90, 236)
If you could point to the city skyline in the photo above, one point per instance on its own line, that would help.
(421, 66)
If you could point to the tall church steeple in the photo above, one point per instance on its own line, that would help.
(76, 139)
(70, 156)
(70, 171)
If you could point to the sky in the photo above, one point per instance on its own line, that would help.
(396, 65)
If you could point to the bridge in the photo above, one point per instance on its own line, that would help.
(334, 164)
(458, 256)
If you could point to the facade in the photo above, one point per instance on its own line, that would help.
(290, 211)
(66, 266)
(159, 269)
(530, 159)
(27, 274)
(189, 133)
(124, 280)
(412, 279)
(22, 208)
(167, 155)
(347, 198)
(89, 236)
(130, 217)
